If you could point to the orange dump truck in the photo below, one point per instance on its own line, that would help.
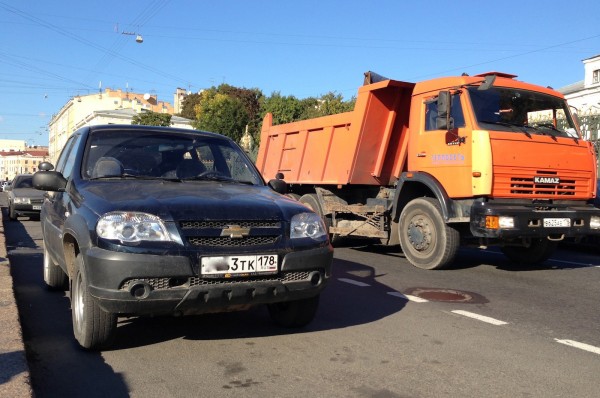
(486, 160)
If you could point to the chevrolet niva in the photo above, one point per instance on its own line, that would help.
(142, 220)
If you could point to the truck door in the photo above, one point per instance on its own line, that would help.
(444, 151)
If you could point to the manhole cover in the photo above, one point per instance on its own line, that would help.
(447, 295)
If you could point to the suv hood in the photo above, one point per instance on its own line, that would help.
(190, 200)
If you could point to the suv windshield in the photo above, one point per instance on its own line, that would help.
(159, 155)
(529, 112)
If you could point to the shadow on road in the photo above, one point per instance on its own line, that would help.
(342, 305)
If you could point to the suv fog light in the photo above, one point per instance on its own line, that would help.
(595, 222)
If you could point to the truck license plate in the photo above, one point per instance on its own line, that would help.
(557, 222)
(228, 266)
(37, 207)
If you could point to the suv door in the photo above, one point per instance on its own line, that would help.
(54, 208)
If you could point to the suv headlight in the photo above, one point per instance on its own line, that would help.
(131, 227)
(23, 201)
(307, 225)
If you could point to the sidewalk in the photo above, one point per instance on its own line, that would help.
(14, 371)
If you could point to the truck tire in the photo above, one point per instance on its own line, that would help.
(93, 327)
(54, 276)
(538, 251)
(426, 240)
(294, 314)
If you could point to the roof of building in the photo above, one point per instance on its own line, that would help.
(572, 88)
(129, 113)
(32, 153)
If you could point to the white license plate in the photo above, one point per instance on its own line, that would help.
(228, 266)
(37, 207)
(557, 222)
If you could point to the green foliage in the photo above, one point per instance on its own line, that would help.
(187, 107)
(149, 118)
(227, 109)
(285, 109)
(221, 113)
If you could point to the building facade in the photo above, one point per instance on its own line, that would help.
(584, 95)
(108, 107)
(21, 162)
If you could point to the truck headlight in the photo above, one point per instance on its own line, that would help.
(23, 201)
(307, 225)
(131, 227)
(595, 222)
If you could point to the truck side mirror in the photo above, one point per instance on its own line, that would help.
(444, 109)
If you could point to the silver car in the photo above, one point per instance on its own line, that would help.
(23, 199)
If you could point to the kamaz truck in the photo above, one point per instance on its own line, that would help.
(483, 160)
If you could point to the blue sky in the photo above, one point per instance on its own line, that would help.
(51, 51)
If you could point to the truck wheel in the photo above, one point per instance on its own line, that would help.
(12, 214)
(312, 201)
(294, 314)
(538, 251)
(54, 276)
(93, 327)
(426, 240)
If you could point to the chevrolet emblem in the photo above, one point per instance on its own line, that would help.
(235, 231)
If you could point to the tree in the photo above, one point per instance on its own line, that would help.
(149, 118)
(187, 107)
(285, 109)
(221, 113)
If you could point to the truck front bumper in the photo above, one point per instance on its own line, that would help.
(508, 221)
(138, 284)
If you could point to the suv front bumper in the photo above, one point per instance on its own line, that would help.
(140, 284)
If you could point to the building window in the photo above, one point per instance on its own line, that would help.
(596, 76)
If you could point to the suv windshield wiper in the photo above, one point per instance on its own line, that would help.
(217, 177)
(136, 177)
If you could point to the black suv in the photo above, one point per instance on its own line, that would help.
(144, 220)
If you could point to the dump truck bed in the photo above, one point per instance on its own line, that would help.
(366, 146)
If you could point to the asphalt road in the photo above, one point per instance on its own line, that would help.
(374, 336)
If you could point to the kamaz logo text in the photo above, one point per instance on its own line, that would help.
(546, 180)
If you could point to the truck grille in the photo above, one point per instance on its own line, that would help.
(213, 233)
(520, 184)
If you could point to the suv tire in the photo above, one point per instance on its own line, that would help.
(93, 327)
(294, 314)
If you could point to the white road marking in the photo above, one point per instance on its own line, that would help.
(408, 297)
(353, 282)
(581, 346)
(480, 317)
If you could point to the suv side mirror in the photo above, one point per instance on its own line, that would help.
(49, 180)
(278, 184)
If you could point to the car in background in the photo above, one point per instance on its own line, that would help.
(23, 199)
(3, 185)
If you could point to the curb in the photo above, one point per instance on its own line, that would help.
(14, 372)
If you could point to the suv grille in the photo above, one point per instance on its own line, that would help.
(246, 233)
(229, 242)
(168, 283)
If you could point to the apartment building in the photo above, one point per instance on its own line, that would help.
(24, 161)
(107, 107)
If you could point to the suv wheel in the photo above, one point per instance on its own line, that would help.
(294, 314)
(93, 327)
